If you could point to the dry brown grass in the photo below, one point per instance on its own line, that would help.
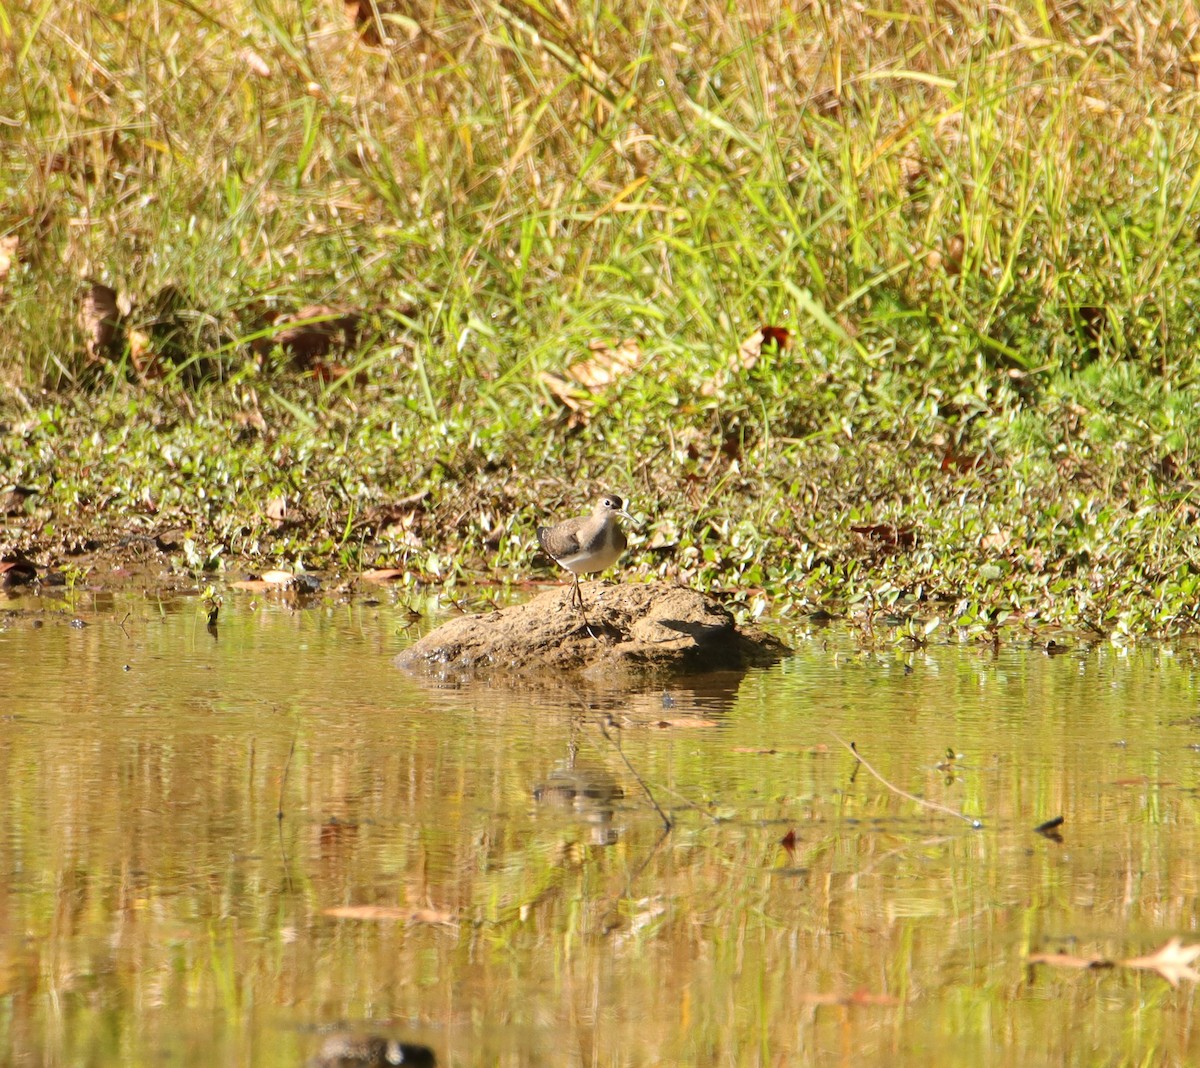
(671, 167)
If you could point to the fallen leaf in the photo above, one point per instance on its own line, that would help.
(563, 390)
(751, 349)
(607, 363)
(99, 319)
(575, 390)
(779, 336)
(764, 339)
(384, 574)
(996, 540)
(1172, 960)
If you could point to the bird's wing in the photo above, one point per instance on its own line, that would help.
(565, 544)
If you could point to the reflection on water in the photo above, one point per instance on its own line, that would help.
(236, 849)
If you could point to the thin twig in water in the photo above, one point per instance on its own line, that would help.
(616, 742)
(287, 765)
(904, 793)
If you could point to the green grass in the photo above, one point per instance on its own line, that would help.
(979, 227)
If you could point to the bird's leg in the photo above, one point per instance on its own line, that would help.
(577, 600)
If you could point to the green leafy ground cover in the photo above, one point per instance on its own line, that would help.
(979, 228)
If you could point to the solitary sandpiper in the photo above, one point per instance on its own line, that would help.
(588, 543)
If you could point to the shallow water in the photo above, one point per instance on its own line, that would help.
(182, 811)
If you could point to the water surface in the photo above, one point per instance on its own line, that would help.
(218, 849)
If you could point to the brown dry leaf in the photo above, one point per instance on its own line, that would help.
(574, 390)
(607, 363)
(564, 392)
(576, 402)
(389, 912)
(750, 350)
(747, 356)
(995, 540)
(255, 63)
(251, 585)
(99, 318)
(1172, 960)
(384, 574)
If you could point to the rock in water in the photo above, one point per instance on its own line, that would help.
(641, 630)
